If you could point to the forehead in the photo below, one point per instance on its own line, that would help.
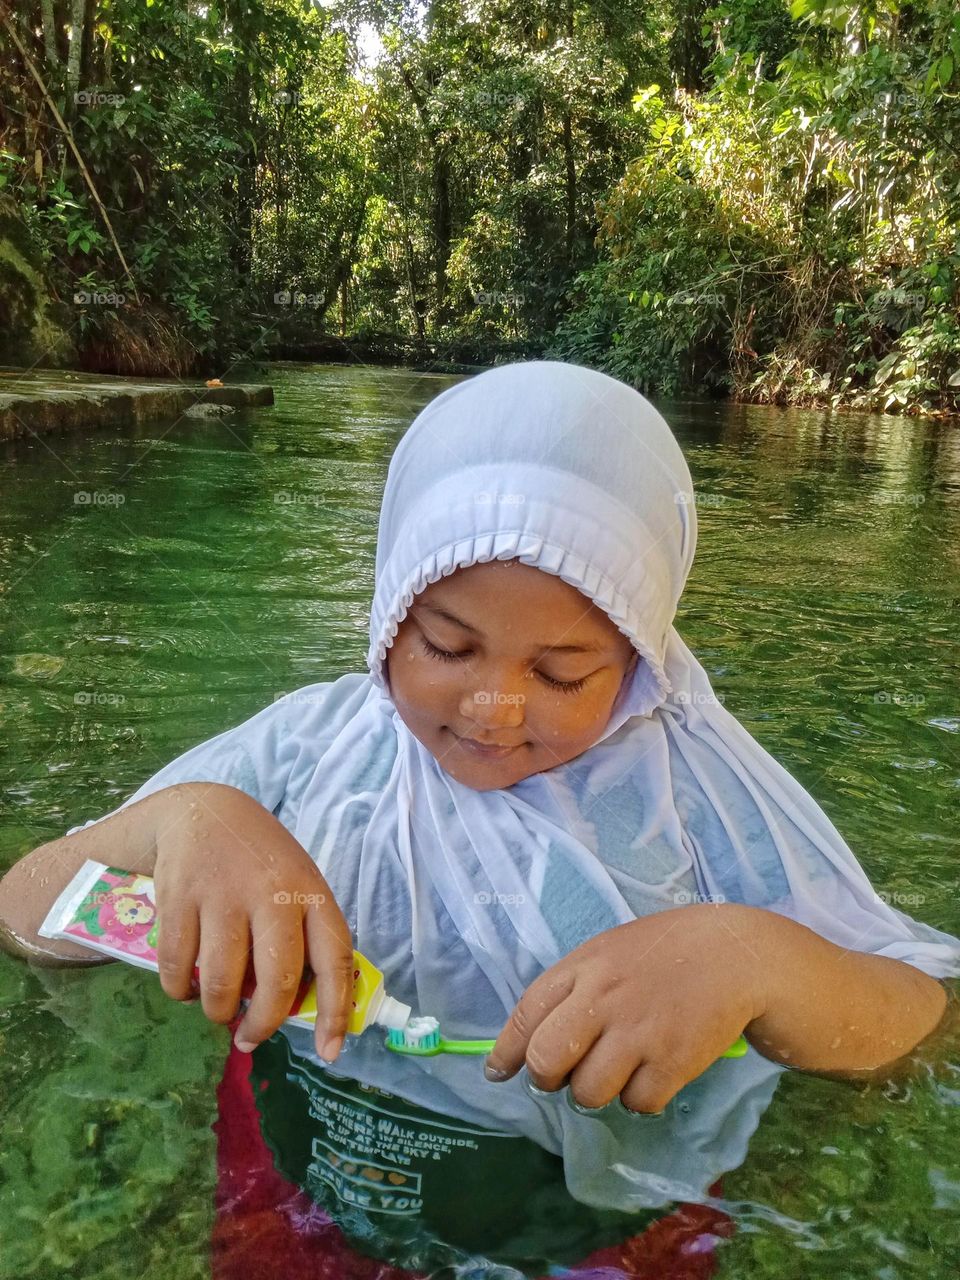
(520, 596)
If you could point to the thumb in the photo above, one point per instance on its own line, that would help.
(330, 951)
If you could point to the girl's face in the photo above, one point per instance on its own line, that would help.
(505, 654)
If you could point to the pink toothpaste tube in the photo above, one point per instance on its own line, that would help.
(115, 912)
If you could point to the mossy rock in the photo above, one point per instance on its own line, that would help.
(35, 331)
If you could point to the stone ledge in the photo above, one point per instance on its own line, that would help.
(40, 400)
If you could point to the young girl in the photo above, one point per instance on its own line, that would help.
(534, 815)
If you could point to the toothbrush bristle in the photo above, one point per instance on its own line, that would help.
(421, 1033)
(418, 1036)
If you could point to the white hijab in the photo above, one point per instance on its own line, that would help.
(463, 897)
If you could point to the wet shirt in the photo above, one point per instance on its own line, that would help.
(419, 1188)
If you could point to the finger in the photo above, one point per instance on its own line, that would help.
(330, 956)
(224, 952)
(654, 1083)
(278, 965)
(178, 941)
(559, 1043)
(606, 1068)
(540, 999)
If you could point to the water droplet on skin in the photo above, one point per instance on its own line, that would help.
(272, 952)
(574, 1046)
(835, 1043)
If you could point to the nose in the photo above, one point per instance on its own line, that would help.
(493, 706)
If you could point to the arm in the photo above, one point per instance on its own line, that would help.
(641, 1009)
(127, 839)
(836, 1012)
(232, 884)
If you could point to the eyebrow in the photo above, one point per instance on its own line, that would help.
(592, 646)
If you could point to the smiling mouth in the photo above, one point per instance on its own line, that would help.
(485, 750)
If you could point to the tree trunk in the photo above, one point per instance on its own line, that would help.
(441, 219)
(344, 258)
(570, 163)
(78, 11)
(49, 23)
(244, 185)
(415, 307)
(571, 187)
(441, 228)
(688, 53)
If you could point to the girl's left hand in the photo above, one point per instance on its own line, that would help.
(639, 1010)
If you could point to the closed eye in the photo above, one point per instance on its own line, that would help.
(444, 655)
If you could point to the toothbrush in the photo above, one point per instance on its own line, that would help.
(421, 1038)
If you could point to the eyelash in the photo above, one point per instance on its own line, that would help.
(565, 686)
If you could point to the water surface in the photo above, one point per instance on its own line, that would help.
(162, 583)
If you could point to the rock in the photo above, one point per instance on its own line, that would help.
(209, 410)
(35, 328)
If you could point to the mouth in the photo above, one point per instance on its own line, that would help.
(484, 751)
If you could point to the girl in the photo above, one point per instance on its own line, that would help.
(534, 815)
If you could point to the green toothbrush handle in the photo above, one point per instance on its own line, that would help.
(466, 1046)
(736, 1050)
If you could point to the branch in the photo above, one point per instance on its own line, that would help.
(28, 61)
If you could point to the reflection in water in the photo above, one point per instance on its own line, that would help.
(238, 565)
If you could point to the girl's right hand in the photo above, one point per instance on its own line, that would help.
(230, 879)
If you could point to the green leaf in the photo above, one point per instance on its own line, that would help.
(885, 368)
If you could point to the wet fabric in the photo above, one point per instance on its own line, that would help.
(464, 897)
(498, 1210)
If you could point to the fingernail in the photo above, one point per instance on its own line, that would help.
(494, 1073)
(245, 1046)
(332, 1048)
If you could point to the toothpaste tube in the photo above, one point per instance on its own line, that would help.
(115, 912)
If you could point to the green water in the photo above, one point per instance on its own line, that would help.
(824, 603)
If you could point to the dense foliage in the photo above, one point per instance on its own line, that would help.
(741, 198)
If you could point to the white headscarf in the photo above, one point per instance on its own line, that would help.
(463, 897)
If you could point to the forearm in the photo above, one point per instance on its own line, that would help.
(127, 839)
(833, 1011)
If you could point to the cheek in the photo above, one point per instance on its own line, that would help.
(565, 716)
(419, 681)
